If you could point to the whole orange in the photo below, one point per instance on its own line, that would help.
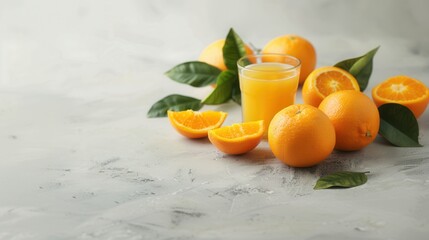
(355, 118)
(296, 46)
(301, 135)
(213, 54)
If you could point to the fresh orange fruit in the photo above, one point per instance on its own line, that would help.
(296, 46)
(238, 138)
(355, 118)
(403, 90)
(301, 135)
(324, 81)
(213, 54)
(196, 124)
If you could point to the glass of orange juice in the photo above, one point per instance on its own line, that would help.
(268, 83)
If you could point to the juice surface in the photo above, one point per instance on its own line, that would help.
(267, 88)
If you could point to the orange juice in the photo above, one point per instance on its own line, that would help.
(267, 88)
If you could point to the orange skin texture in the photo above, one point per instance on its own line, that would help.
(296, 46)
(301, 136)
(355, 118)
(238, 138)
(213, 54)
(324, 81)
(415, 94)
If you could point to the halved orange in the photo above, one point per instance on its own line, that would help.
(324, 81)
(403, 90)
(193, 124)
(238, 138)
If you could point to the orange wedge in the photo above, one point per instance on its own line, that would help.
(324, 81)
(238, 138)
(403, 90)
(196, 124)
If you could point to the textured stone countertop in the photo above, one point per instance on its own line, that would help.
(80, 159)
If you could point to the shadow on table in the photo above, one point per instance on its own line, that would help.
(259, 155)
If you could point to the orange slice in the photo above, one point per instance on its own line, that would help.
(324, 81)
(238, 138)
(403, 90)
(196, 124)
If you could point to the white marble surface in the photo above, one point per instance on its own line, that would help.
(80, 160)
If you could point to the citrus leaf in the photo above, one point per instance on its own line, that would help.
(236, 93)
(343, 179)
(174, 102)
(195, 73)
(360, 67)
(223, 91)
(398, 125)
(233, 50)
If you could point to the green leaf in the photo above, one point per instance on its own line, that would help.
(236, 93)
(223, 91)
(341, 179)
(173, 102)
(233, 50)
(398, 125)
(195, 73)
(360, 67)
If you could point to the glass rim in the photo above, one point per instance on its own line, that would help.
(260, 55)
